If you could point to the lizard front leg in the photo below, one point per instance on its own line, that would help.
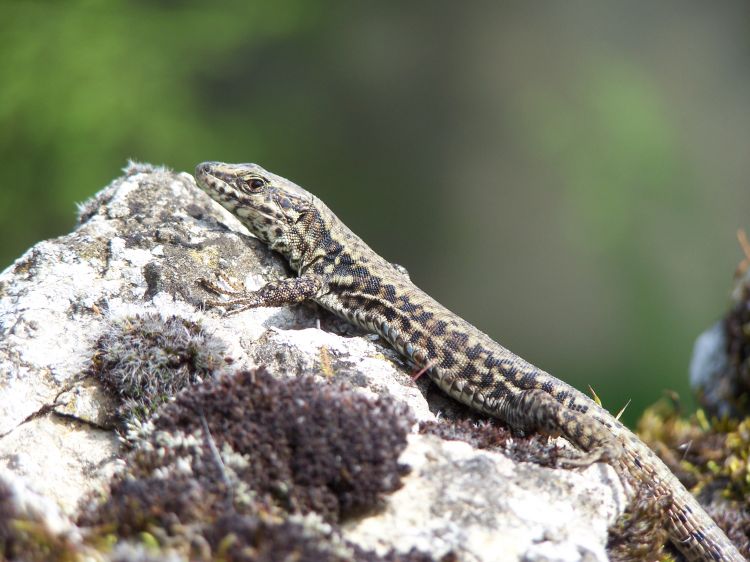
(287, 291)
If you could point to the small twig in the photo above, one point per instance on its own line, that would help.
(622, 410)
(745, 245)
(423, 370)
(686, 449)
(217, 457)
(595, 396)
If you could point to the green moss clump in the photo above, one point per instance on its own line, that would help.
(639, 534)
(25, 535)
(711, 457)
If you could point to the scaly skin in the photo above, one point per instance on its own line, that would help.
(340, 272)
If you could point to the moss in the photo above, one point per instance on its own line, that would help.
(129, 552)
(25, 536)
(711, 457)
(301, 445)
(489, 433)
(736, 326)
(249, 539)
(147, 359)
(238, 466)
(639, 533)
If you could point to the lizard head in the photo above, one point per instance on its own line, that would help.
(268, 205)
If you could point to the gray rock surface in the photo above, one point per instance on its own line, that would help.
(708, 369)
(140, 247)
(495, 508)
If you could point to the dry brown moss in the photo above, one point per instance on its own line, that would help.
(235, 468)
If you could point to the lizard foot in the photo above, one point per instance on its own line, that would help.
(607, 453)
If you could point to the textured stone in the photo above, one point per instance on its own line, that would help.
(140, 247)
(489, 508)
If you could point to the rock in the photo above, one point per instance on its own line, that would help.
(490, 508)
(720, 363)
(710, 372)
(134, 260)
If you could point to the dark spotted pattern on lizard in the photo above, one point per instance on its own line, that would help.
(340, 272)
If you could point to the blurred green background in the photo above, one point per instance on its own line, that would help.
(568, 176)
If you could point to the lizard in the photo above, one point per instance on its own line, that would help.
(339, 271)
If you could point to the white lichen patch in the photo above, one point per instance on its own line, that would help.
(489, 508)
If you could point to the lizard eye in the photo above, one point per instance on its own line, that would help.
(255, 184)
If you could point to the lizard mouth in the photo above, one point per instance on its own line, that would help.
(253, 212)
(209, 181)
(204, 178)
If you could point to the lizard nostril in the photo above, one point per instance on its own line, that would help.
(203, 167)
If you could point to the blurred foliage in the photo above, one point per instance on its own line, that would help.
(566, 176)
(627, 140)
(89, 84)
